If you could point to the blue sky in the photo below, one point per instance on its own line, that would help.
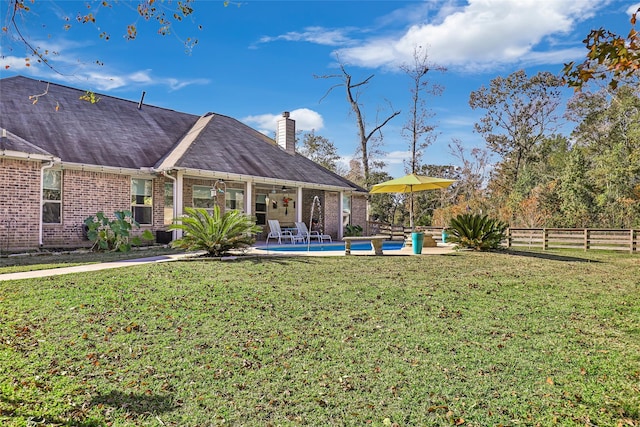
(256, 59)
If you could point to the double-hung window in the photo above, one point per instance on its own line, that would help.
(142, 200)
(52, 197)
(203, 198)
(234, 199)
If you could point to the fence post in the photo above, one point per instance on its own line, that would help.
(508, 237)
(632, 240)
(586, 239)
(545, 239)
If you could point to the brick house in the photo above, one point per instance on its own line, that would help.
(64, 157)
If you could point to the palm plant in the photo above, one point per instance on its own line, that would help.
(215, 233)
(476, 232)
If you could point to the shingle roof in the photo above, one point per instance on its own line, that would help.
(111, 132)
(114, 132)
(12, 142)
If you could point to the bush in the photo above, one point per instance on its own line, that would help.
(476, 232)
(115, 234)
(353, 230)
(217, 234)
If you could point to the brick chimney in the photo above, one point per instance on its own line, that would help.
(286, 133)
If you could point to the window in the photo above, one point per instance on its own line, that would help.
(142, 200)
(168, 203)
(346, 210)
(234, 199)
(261, 209)
(202, 198)
(52, 197)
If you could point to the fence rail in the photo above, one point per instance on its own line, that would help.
(575, 238)
(612, 239)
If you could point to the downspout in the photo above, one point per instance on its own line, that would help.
(41, 229)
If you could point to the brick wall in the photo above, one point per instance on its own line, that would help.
(84, 194)
(332, 213)
(19, 204)
(359, 212)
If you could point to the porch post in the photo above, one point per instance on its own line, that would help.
(299, 205)
(248, 201)
(341, 215)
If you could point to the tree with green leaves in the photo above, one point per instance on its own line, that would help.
(608, 132)
(520, 111)
(576, 194)
(320, 150)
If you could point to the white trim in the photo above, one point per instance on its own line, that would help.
(21, 155)
(200, 173)
(178, 200)
(299, 204)
(248, 199)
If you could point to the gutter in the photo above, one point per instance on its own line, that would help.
(227, 176)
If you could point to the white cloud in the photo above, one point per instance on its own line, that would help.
(480, 35)
(306, 120)
(68, 68)
(318, 35)
(633, 9)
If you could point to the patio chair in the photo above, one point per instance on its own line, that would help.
(276, 232)
(304, 231)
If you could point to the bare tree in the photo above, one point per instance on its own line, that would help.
(418, 129)
(353, 92)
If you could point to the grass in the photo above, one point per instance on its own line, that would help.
(472, 339)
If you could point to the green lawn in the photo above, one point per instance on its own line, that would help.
(474, 339)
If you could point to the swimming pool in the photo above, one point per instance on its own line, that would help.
(319, 247)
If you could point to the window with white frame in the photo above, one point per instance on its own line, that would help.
(202, 198)
(168, 203)
(234, 199)
(346, 210)
(142, 200)
(52, 197)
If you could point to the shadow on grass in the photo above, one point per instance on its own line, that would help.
(34, 420)
(135, 403)
(551, 257)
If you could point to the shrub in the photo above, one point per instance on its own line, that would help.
(217, 234)
(114, 234)
(476, 232)
(353, 230)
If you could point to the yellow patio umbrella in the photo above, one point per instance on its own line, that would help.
(410, 184)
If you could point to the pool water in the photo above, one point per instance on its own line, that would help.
(318, 247)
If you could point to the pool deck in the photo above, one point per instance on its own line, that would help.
(260, 248)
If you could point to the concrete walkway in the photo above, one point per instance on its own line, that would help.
(91, 267)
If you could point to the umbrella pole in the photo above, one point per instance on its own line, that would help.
(411, 212)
